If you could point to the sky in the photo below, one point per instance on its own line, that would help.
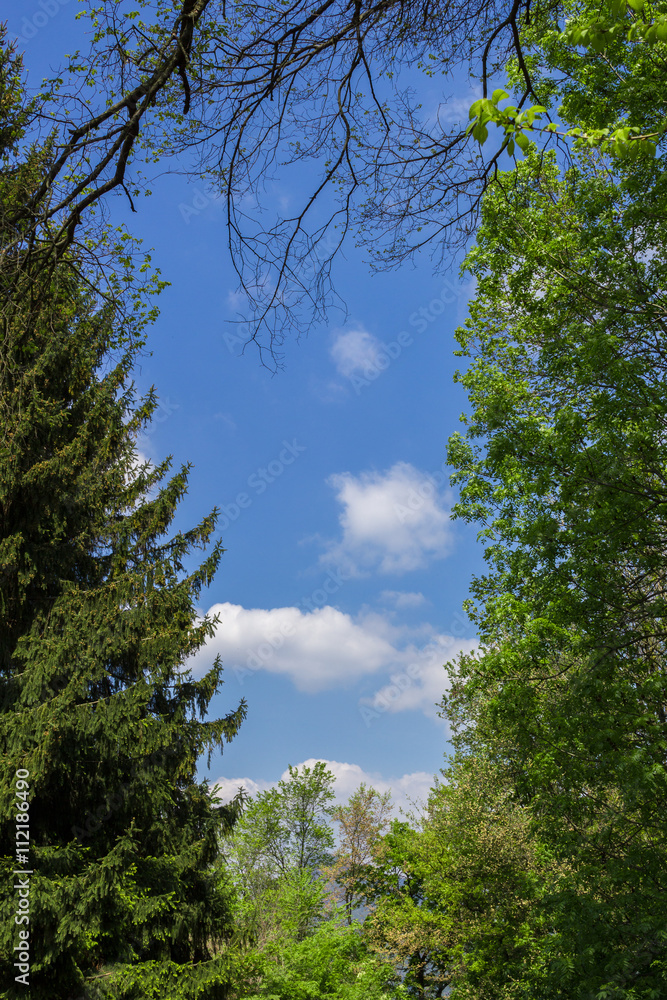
(340, 591)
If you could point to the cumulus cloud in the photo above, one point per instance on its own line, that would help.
(405, 790)
(355, 350)
(317, 649)
(228, 787)
(421, 685)
(325, 648)
(392, 521)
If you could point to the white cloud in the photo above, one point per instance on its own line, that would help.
(392, 521)
(317, 649)
(405, 789)
(355, 350)
(402, 599)
(228, 787)
(325, 648)
(421, 686)
(455, 109)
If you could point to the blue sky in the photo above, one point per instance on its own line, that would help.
(341, 588)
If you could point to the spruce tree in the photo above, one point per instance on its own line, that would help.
(99, 715)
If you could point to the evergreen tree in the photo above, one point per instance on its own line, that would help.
(99, 716)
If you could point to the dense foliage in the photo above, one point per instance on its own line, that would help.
(563, 466)
(100, 720)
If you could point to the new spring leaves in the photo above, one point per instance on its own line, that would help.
(631, 22)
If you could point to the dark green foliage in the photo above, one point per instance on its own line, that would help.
(98, 616)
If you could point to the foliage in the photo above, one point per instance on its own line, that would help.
(99, 713)
(238, 87)
(280, 856)
(361, 823)
(568, 399)
(539, 869)
(333, 963)
(404, 927)
(599, 69)
(279, 848)
(463, 911)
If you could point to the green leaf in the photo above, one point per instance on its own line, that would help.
(481, 133)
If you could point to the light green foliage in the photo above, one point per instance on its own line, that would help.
(288, 826)
(279, 848)
(562, 466)
(600, 71)
(280, 856)
(404, 927)
(333, 963)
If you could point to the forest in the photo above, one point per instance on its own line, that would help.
(537, 868)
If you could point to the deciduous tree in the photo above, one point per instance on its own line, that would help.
(562, 465)
(361, 823)
(279, 849)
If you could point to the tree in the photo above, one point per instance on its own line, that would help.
(230, 90)
(597, 71)
(279, 849)
(463, 919)
(566, 334)
(332, 963)
(100, 717)
(562, 465)
(281, 858)
(361, 823)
